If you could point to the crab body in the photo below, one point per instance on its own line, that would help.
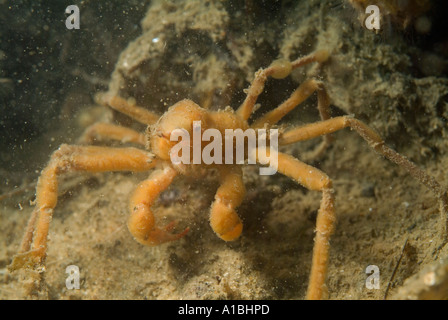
(185, 115)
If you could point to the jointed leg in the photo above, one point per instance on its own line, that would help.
(224, 219)
(135, 112)
(297, 97)
(278, 69)
(107, 131)
(141, 223)
(313, 130)
(313, 179)
(70, 158)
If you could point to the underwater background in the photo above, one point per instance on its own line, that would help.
(158, 52)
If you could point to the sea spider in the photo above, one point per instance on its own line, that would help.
(224, 219)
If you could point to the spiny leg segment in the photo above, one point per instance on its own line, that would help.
(119, 104)
(312, 179)
(107, 131)
(279, 69)
(313, 130)
(69, 159)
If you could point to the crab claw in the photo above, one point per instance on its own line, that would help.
(142, 227)
(158, 236)
(141, 223)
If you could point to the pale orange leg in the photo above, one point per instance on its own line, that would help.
(141, 222)
(68, 159)
(278, 69)
(224, 219)
(107, 131)
(313, 130)
(119, 104)
(312, 179)
(297, 97)
(305, 90)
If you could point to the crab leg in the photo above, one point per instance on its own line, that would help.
(102, 131)
(312, 179)
(69, 159)
(223, 217)
(278, 69)
(141, 222)
(297, 97)
(121, 105)
(305, 90)
(313, 130)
